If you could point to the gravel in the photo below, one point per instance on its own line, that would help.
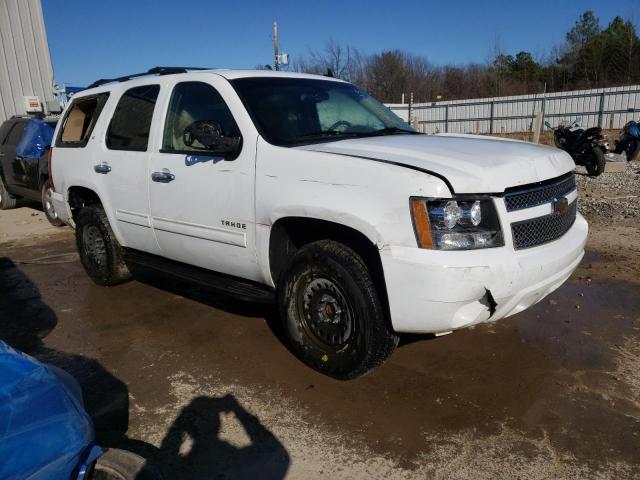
(610, 195)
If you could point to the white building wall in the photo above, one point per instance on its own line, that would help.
(25, 62)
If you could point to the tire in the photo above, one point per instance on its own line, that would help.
(7, 200)
(47, 205)
(115, 464)
(100, 253)
(332, 314)
(595, 164)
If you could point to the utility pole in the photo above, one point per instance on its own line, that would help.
(276, 61)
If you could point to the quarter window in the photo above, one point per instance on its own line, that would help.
(191, 102)
(80, 120)
(131, 121)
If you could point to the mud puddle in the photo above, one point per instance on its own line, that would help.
(557, 383)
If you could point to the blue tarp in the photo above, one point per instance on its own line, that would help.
(37, 136)
(45, 433)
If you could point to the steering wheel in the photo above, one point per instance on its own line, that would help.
(340, 123)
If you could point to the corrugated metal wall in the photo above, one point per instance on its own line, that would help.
(606, 107)
(25, 63)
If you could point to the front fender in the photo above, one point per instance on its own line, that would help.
(339, 217)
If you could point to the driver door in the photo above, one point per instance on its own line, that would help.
(202, 206)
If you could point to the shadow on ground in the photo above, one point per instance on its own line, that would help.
(191, 449)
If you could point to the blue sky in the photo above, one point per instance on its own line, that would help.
(92, 39)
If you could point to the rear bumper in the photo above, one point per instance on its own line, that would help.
(62, 208)
(434, 291)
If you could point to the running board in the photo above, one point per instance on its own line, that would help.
(233, 286)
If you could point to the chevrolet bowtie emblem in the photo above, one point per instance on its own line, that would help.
(560, 205)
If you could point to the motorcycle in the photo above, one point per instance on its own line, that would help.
(586, 147)
(629, 141)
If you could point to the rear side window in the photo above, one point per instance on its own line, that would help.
(79, 121)
(15, 134)
(131, 121)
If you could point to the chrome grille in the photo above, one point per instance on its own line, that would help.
(537, 231)
(526, 197)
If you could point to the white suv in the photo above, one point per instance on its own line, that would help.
(305, 189)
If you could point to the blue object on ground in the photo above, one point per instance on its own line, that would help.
(45, 432)
(37, 136)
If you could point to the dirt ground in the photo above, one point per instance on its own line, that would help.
(203, 387)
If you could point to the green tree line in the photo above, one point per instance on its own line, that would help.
(591, 57)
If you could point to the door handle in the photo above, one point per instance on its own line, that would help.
(103, 168)
(165, 176)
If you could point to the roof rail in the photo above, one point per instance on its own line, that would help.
(151, 71)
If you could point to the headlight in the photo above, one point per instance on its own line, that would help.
(462, 223)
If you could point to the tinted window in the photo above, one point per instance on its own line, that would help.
(15, 133)
(80, 120)
(190, 102)
(131, 121)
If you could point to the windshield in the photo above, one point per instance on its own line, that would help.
(290, 111)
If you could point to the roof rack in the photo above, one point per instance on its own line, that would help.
(151, 71)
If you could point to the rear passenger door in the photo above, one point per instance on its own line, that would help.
(122, 171)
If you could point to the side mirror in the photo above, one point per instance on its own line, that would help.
(578, 121)
(210, 136)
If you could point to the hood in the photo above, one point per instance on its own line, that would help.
(470, 163)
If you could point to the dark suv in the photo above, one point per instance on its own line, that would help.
(24, 163)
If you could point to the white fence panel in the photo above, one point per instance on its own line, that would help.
(607, 107)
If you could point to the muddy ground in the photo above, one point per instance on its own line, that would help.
(203, 387)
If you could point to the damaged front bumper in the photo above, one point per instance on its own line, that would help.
(433, 291)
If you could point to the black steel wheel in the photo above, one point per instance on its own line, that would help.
(100, 253)
(325, 313)
(333, 317)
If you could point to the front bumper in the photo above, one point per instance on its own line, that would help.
(433, 291)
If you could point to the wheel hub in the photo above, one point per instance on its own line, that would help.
(326, 312)
(48, 204)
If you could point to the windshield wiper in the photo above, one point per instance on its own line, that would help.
(335, 133)
(327, 133)
(392, 130)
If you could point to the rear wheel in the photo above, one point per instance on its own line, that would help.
(100, 253)
(332, 313)
(47, 205)
(7, 200)
(595, 164)
(115, 464)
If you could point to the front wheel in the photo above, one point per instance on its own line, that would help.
(100, 253)
(332, 313)
(47, 205)
(595, 163)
